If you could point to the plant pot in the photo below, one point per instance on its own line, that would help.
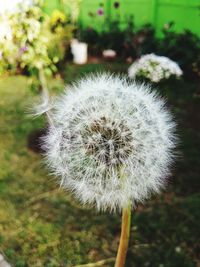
(79, 52)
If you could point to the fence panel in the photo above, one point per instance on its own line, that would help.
(94, 14)
(140, 10)
(185, 13)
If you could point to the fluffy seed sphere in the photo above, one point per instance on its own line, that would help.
(111, 142)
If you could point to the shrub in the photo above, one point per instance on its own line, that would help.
(182, 48)
(127, 42)
(35, 40)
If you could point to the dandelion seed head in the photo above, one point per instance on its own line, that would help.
(112, 142)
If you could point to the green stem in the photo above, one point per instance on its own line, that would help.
(43, 81)
(45, 92)
(125, 235)
(98, 263)
(124, 239)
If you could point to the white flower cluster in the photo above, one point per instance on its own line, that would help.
(154, 68)
(111, 142)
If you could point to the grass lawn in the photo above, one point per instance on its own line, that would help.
(43, 226)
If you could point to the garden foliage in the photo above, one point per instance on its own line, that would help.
(130, 43)
(33, 40)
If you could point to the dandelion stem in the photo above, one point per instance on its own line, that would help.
(124, 239)
(45, 93)
(43, 81)
(98, 263)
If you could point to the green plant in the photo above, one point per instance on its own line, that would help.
(112, 37)
(91, 37)
(182, 48)
(145, 40)
(127, 42)
(36, 41)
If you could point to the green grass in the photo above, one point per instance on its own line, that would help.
(41, 225)
(73, 72)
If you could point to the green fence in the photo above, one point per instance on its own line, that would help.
(50, 5)
(185, 13)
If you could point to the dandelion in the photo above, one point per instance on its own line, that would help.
(111, 144)
(155, 68)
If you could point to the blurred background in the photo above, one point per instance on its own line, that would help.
(51, 43)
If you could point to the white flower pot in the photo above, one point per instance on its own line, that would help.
(79, 51)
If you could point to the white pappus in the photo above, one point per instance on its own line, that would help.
(111, 142)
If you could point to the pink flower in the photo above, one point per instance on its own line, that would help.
(100, 12)
(23, 49)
